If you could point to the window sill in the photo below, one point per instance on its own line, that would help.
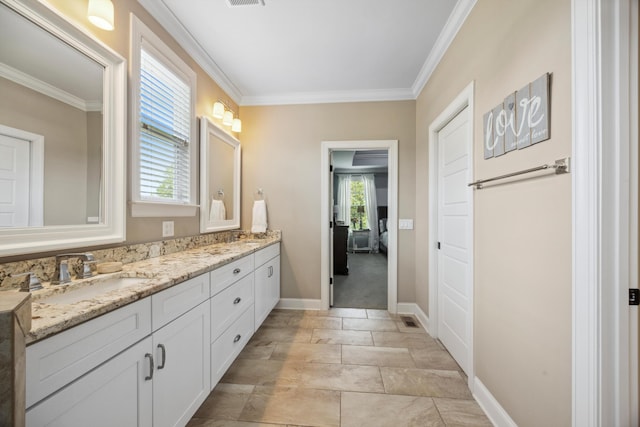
(151, 209)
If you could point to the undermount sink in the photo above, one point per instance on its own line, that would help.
(90, 291)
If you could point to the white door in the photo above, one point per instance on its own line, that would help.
(14, 182)
(454, 267)
(332, 202)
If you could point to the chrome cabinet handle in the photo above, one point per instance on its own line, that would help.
(150, 357)
(237, 300)
(164, 355)
(237, 338)
(236, 271)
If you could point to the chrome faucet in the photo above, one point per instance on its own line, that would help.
(28, 281)
(62, 274)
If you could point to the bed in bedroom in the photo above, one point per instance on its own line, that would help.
(382, 229)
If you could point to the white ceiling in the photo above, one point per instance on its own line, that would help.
(308, 51)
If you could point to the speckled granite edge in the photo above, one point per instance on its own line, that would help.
(44, 268)
(162, 272)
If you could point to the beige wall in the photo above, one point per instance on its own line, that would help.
(281, 155)
(522, 230)
(148, 229)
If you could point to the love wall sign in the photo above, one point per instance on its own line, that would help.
(520, 121)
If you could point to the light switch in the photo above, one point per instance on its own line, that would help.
(406, 224)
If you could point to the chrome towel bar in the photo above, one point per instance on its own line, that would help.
(561, 166)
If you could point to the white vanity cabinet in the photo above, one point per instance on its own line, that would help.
(161, 380)
(181, 322)
(267, 282)
(232, 288)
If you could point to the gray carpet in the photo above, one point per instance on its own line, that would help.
(366, 284)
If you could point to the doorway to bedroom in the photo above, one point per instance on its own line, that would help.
(359, 202)
(360, 205)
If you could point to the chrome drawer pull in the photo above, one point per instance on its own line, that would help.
(237, 338)
(150, 357)
(236, 271)
(164, 355)
(237, 300)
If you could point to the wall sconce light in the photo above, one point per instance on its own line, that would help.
(100, 14)
(236, 126)
(222, 111)
(218, 110)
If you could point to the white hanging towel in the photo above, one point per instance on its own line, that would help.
(259, 217)
(217, 211)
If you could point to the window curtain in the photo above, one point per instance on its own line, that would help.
(371, 210)
(344, 199)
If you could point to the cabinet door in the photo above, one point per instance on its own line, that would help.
(117, 393)
(267, 289)
(182, 359)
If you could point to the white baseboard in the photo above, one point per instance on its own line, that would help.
(496, 413)
(413, 308)
(299, 304)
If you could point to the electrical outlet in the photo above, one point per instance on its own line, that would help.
(167, 228)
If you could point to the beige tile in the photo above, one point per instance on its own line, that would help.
(261, 372)
(369, 325)
(461, 413)
(383, 410)
(292, 405)
(331, 336)
(424, 382)
(433, 358)
(278, 320)
(359, 313)
(321, 322)
(225, 402)
(264, 336)
(341, 377)
(203, 422)
(303, 352)
(377, 356)
(257, 351)
(399, 339)
(380, 314)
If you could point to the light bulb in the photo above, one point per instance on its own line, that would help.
(237, 125)
(227, 120)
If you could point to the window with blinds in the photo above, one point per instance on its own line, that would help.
(165, 128)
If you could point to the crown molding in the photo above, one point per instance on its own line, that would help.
(159, 10)
(47, 89)
(329, 97)
(459, 14)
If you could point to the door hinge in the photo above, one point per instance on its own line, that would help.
(438, 245)
(330, 224)
(330, 168)
(634, 294)
(331, 280)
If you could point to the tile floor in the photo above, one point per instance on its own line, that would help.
(342, 367)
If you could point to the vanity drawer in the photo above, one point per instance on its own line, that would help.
(225, 349)
(224, 276)
(54, 362)
(264, 255)
(177, 300)
(229, 304)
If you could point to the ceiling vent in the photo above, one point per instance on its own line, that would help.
(236, 3)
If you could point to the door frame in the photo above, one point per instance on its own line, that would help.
(462, 101)
(605, 196)
(392, 215)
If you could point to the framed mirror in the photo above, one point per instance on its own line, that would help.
(219, 179)
(62, 133)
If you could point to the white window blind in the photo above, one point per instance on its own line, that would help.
(165, 123)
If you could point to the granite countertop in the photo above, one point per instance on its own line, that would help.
(160, 273)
